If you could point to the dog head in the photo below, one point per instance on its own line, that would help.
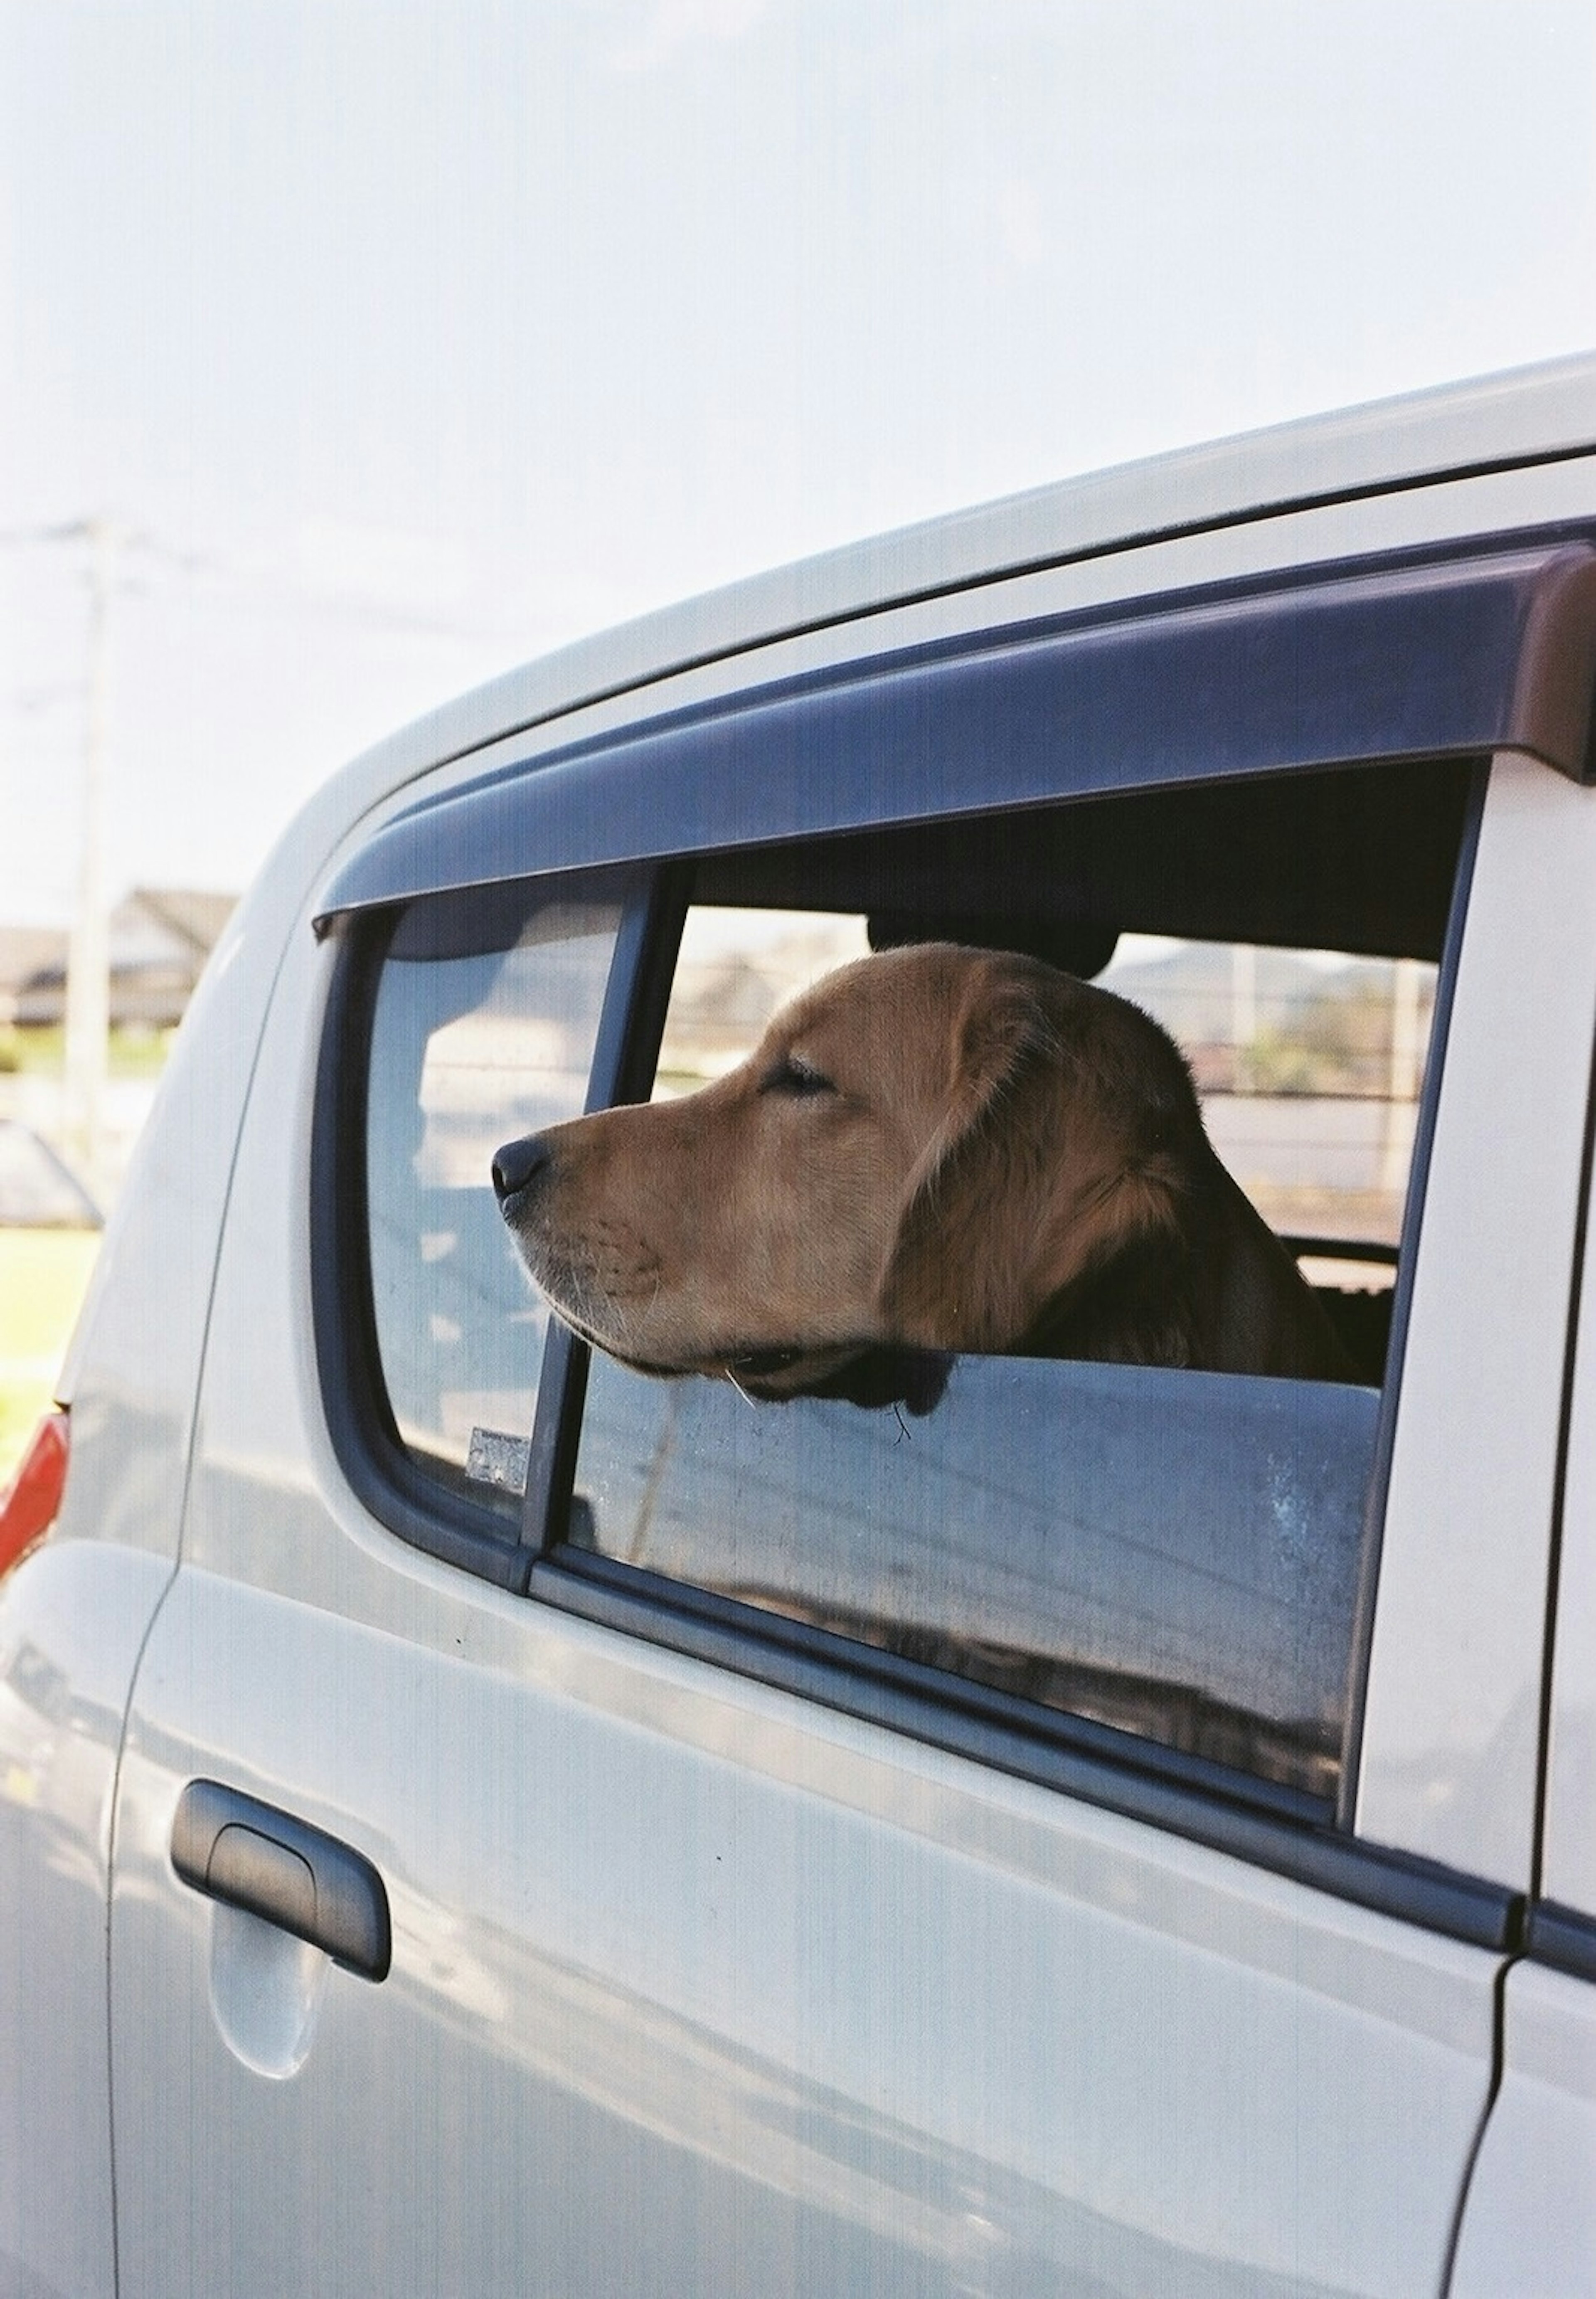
(924, 1151)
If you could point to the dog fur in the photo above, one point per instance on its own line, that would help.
(934, 1151)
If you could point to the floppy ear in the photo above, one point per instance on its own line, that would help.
(940, 1287)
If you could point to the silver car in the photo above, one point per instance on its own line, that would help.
(476, 1820)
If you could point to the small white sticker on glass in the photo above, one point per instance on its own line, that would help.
(494, 1458)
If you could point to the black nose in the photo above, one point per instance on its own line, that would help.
(517, 1165)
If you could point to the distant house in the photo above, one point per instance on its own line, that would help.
(159, 939)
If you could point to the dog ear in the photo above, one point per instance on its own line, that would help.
(1051, 1205)
(1135, 1303)
(940, 1287)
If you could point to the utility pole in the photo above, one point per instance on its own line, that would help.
(88, 981)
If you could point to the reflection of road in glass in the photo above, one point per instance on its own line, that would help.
(1134, 1544)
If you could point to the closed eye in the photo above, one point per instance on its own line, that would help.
(795, 1078)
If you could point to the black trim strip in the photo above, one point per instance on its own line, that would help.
(1274, 1829)
(1562, 1938)
(1341, 1249)
(630, 1028)
(1385, 660)
(1499, 2068)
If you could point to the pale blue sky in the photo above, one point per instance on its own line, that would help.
(416, 337)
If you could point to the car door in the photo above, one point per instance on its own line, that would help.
(793, 1878)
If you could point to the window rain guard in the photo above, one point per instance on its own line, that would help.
(1459, 655)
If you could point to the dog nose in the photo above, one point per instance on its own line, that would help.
(517, 1165)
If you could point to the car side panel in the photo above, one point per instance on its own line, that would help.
(1451, 1745)
(1568, 1874)
(73, 1617)
(695, 1990)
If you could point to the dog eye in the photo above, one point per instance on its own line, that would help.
(791, 1077)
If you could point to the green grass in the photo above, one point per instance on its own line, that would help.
(42, 1053)
(42, 1276)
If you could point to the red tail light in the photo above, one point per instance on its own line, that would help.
(29, 1505)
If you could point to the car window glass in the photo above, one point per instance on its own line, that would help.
(1174, 1554)
(484, 1027)
(735, 969)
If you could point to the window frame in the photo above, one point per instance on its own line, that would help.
(1281, 1829)
(1287, 1830)
(419, 1508)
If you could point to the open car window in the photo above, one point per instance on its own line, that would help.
(1168, 1562)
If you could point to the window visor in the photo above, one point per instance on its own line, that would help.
(1405, 661)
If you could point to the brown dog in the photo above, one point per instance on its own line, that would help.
(935, 1149)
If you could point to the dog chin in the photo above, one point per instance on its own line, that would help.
(873, 1374)
(876, 1376)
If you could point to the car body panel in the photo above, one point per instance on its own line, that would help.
(74, 1616)
(1451, 1736)
(1568, 1870)
(694, 1991)
(73, 1620)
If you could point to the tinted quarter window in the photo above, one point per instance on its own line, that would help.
(486, 1016)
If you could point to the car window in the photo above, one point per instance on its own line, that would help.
(1172, 1554)
(1100, 1537)
(486, 1016)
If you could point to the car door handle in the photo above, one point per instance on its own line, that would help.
(235, 1848)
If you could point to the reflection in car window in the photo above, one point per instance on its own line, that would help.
(472, 1039)
(1174, 1554)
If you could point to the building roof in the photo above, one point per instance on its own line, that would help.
(159, 939)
